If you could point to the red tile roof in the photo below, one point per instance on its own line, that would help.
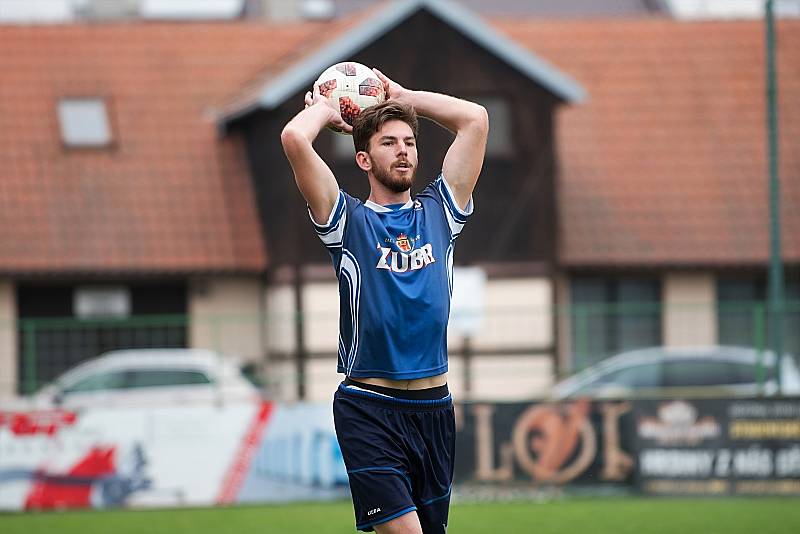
(170, 195)
(666, 161)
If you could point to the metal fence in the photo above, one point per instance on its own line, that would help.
(588, 333)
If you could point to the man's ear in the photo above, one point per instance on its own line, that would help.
(363, 161)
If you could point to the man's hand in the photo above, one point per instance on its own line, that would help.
(335, 121)
(394, 91)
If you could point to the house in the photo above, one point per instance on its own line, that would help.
(627, 163)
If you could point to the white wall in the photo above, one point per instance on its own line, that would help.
(8, 340)
(518, 314)
(690, 309)
(321, 313)
(226, 315)
(280, 318)
(501, 377)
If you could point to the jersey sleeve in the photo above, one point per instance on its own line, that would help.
(456, 217)
(331, 232)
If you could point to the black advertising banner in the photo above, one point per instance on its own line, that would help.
(722, 447)
(578, 442)
(658, 447)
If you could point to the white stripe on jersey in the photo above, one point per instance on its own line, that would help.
(335, 236)
(351, 272)
(450, 267)
(332, 234)
(456, 218)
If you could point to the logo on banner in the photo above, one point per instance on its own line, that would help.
(47, 422)
(555, 443)
(677, 423)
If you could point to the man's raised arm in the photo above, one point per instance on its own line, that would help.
(469, 121)
(314, 178)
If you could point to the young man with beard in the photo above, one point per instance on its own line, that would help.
(393, 256)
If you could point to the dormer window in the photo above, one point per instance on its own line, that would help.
(500, 143)
(84, 122)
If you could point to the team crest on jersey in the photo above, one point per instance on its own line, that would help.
(403, 243)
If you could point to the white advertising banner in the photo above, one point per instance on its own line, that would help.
(190, 455)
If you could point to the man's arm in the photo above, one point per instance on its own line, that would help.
(314, 178)
(469, 121)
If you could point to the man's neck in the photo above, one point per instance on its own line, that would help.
(393, 198)
(385, 197)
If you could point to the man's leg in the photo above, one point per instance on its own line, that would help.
(405, 524)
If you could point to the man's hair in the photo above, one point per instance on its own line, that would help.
(373, 118)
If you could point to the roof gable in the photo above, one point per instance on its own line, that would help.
(276, 89)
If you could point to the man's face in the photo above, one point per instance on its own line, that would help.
(393, 151)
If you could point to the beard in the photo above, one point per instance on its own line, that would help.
(397, 183)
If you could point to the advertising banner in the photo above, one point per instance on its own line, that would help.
(194, 455)
(718, 447)
(202, 455)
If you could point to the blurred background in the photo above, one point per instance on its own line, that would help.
(636, 235)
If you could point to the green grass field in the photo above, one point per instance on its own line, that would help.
(579, 516)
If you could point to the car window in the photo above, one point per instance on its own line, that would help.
(638, 376)
(98, 382)
(707, 373)
(148, 378)
(634, 377)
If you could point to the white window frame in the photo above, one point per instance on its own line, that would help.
(84, 122)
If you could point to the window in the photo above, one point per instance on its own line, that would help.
(91, 302)
(612, 315)
(84, 122)
(500, 143)
(742, 318)
(98, 382)
(636, 377)
(343, 148)
(149, 378)
(707, 373)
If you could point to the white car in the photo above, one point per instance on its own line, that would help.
(682, 371)
(149, 377)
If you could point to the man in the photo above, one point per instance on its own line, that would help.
(393, 258)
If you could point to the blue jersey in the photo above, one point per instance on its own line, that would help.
(395, 271)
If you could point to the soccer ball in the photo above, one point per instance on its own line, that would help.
(351, 87)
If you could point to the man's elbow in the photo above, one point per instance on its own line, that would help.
(290, 139)
(294, 139)
(480, 119)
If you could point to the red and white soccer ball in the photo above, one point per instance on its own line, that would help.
(352, 87)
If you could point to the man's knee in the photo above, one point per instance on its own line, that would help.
(405, 524)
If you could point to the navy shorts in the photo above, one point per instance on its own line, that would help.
(399, 455)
